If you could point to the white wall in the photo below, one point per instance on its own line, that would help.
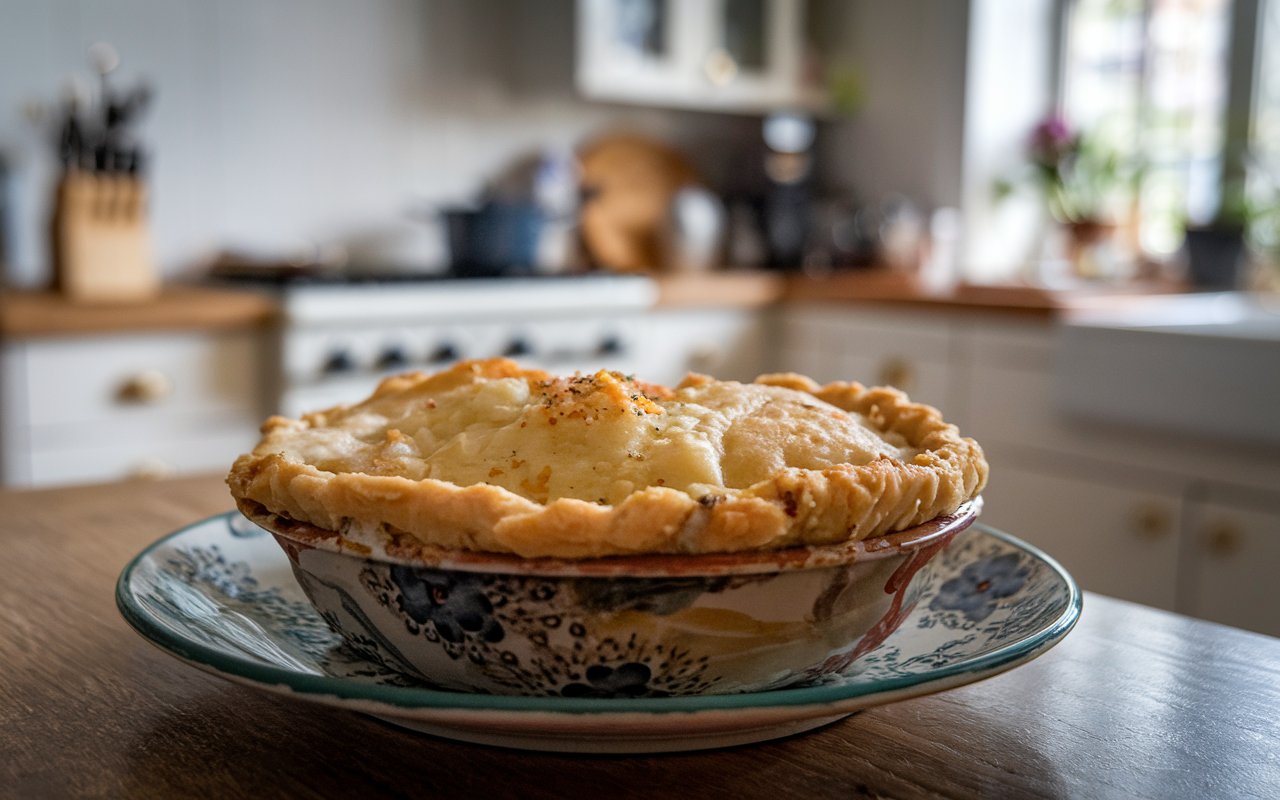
(906, 138)
(953, 88)
(1010, 87)
(327, 120)
(318, 120)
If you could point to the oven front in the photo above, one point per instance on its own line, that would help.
(338, 341)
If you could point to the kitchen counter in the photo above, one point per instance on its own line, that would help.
(757, 289)
(1134, 703)
(906, 291)
(187, 308)
(181, 307)
(732, 289)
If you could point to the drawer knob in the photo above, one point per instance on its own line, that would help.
(720, 67)
(705, 356)
(1223, 538)
(897, 372)
(1151, 522)
(144, 388)
(151, 469)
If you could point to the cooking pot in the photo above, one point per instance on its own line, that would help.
(496, 239)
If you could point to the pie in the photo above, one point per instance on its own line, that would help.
(487, 456)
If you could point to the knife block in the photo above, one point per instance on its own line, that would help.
(101, 241)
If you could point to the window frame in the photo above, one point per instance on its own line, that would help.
(1242, 71)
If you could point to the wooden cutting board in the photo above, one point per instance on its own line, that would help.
(628, 182)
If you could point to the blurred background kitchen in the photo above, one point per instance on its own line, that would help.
(1057, 220)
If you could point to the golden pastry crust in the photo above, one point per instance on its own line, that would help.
(487, 456)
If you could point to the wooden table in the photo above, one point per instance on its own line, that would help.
(1134, 703)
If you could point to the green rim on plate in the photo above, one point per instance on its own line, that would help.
(241, 668)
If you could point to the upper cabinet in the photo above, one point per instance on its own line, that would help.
(728, 55)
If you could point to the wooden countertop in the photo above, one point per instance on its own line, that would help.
(760, 289)
(1134, 703)
(25, 313)
(903, 290)
(28, 313)
(735, 289)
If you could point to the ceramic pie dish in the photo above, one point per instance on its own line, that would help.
(492, 529)
(623, 626)
(219, 596)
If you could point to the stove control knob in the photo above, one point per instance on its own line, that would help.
(392, 357)
(445, 352)
(517, 347)
(610, 346)
(338, 361)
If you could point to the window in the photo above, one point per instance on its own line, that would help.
(1266, 132)
(1264, 176)
(1151, 81)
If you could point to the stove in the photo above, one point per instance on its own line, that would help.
(338, 338)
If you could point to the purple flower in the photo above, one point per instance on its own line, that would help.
(978, 589)
(1052, 142)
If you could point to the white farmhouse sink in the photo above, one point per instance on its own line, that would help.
(1204, 364)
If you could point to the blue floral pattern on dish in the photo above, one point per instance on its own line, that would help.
(455, 606)
(236, 594)
(978, 589)
(469, 616)
(625, 680)
(231, 605)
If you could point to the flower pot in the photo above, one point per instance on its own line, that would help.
(1091, 250)
(1214, 256)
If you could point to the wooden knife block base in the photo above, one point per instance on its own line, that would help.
(101, 242)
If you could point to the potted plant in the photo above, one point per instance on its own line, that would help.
(1246, 220)
(1215, 250)
(1083, 182)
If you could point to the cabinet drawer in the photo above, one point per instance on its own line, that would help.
(910, 351)
(123, 379)
(729, 344)
(212, 450)
(1232, 553)
(1115, 538)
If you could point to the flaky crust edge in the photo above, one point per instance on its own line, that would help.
(794, 507)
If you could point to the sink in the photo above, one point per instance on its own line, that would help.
(1234, 314)
(1206, 364)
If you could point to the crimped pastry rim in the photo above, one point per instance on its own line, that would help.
(795, 507)
(649, 565)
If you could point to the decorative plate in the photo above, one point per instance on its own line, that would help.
(220, 596)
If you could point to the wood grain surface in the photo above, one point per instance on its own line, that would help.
(28, 313)
(25, 313)
(906, 290)
(1135, 703)
(729, 289)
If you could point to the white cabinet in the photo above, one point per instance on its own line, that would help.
(727, 343)
(1233, 551)
(86, 409)
(1178, 522)
(1115, 538)
(740, 55)
(1126, 509)
(913, 352)
(1059, 484)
